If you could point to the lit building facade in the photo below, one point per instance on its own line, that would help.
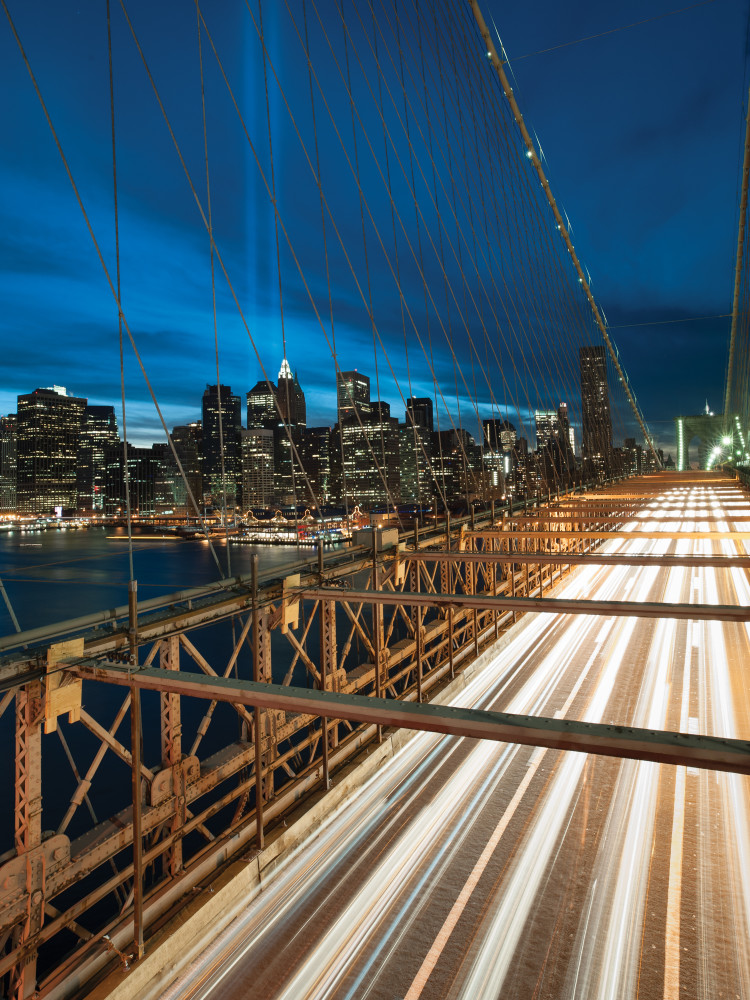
(415, 463)
(257, 467)
(99, 429)
(8, 464)
(315, 453)
(596, 418)
(144, 480)
(222, 421)
(419, 412)
(547, 425)
(370, 472)
(48, 435)
(262, 410)
(499, 435)
(352, 394)
(188, 443)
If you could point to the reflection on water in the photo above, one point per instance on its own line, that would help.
(56, 575)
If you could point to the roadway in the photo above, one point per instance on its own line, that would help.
(478, 870)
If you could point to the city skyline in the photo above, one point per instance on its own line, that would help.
(59, 454)
(193, 413)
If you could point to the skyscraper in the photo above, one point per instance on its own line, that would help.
(370, 473)
(553, 424)
(257, 467)
(290, 397)
(421, 412)
(416, 466)
(99, 429)
(144, 480)
(565, 428)
(188, 443)
(262, 410)
(499, 435)
(8, 464)
(219, 402)
(48, 434)
(292, 419)
(547, 426)
(596, 418)
(314, 451)
(353, 394)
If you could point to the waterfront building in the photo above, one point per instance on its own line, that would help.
(596, 418)
(188, 443)
(222, 421)
(98, 429)
(315, 453)
(168, 482)
(257, 467)
(144, 479)
(352, 394)
(8, 464)
(48, 432)
(415, 462)
(370, 472)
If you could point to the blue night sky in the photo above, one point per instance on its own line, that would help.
(641, 130)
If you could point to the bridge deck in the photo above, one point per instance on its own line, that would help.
(472, 869)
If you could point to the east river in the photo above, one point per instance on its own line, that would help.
(51, 576)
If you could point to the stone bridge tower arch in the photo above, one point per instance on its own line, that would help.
(707, 427)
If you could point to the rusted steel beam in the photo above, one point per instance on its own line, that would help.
(135, 736)
(549, 605)
(572, 559)
(710, 752)
(171, 750)
(28, 827)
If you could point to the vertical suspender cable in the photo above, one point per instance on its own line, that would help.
(287, 380)
(389, 497)
(219, 402)
(319, 183)
(126, 470)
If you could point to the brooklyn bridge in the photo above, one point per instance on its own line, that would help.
(480, 728)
